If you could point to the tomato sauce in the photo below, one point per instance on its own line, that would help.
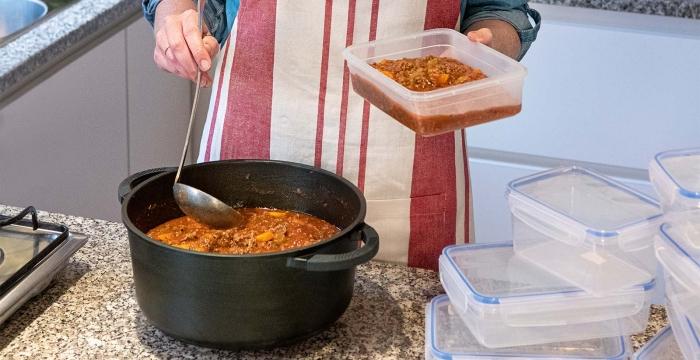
(263, 231)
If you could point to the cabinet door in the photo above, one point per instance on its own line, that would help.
(63, 144)
(159, 105)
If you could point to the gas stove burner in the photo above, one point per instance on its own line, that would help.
(31, 254)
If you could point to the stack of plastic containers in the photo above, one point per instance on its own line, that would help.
(580, 271)
(676, 178)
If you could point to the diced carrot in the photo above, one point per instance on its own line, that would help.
(442, 79)
(266, 236)
(277, 214)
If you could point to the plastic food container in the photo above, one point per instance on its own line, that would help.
(685, 331)
(447, 337)
(676, 178)
(663, 346)
(506, 301)
(683, 309)
(678, 251)
(446, 109)
(585, 228)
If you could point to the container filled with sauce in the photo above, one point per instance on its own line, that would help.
(436, 81)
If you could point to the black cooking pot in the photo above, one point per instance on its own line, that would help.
(246, 301)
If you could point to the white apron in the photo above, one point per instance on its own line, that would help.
(282, 91)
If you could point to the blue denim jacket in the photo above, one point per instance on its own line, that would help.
(515, 12)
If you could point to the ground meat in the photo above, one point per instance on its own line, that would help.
(429, 72)
(491, 108)
(264, 230)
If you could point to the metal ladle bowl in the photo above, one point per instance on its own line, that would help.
(196, 203)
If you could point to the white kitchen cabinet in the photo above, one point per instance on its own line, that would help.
(67, 143)
(159, 105)
(63, 144)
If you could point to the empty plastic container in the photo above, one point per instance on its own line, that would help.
(585, 228)
(685, 331)
(442, 110)
(505, 301)
(676, 178)
(446, 337)
(678, 251)
(663, 346)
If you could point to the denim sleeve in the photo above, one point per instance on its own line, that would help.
(214, 16)
(149, 10)
(514, 12)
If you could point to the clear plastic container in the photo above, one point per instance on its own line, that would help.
(442, 110)
(685, 331)
(663, 346)
(585, 228)
(506, 301)
(447, 337)
(676, 178)
(678, 251)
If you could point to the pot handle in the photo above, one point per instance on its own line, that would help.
(133, 180)
(333, 262)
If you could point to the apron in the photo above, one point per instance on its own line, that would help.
(282, 91)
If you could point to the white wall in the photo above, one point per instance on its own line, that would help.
(604, 94)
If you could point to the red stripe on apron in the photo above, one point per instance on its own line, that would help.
(346, 86)
(323, 83)
(246, 133)
(212, 126)
(434, 217)
(365, 110)
(467, 208)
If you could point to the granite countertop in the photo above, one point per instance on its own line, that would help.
(90, 311)
(689, 9)
(25, 58)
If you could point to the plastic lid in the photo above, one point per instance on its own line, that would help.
(682, 170)
(447, 337)
(593, 203)
(493, 274)
(663, 346)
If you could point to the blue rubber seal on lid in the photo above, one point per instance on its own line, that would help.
(487, 299)
(439, 354)
(677, 153)
(515, 184)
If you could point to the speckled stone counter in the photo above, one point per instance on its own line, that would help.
(678, 8)
(58, 36)
(90, 312)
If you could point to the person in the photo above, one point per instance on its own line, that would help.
(281, 90)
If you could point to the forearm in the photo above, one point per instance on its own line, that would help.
(170, 7)
(505, 36)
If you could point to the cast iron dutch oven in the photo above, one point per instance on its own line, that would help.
(246, 301)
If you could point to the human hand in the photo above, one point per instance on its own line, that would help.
(181, 48)
(483, 35)
(496, 34)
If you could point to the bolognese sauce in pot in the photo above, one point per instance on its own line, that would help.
(262, 231)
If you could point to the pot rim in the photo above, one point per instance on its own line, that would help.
(359, 219)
